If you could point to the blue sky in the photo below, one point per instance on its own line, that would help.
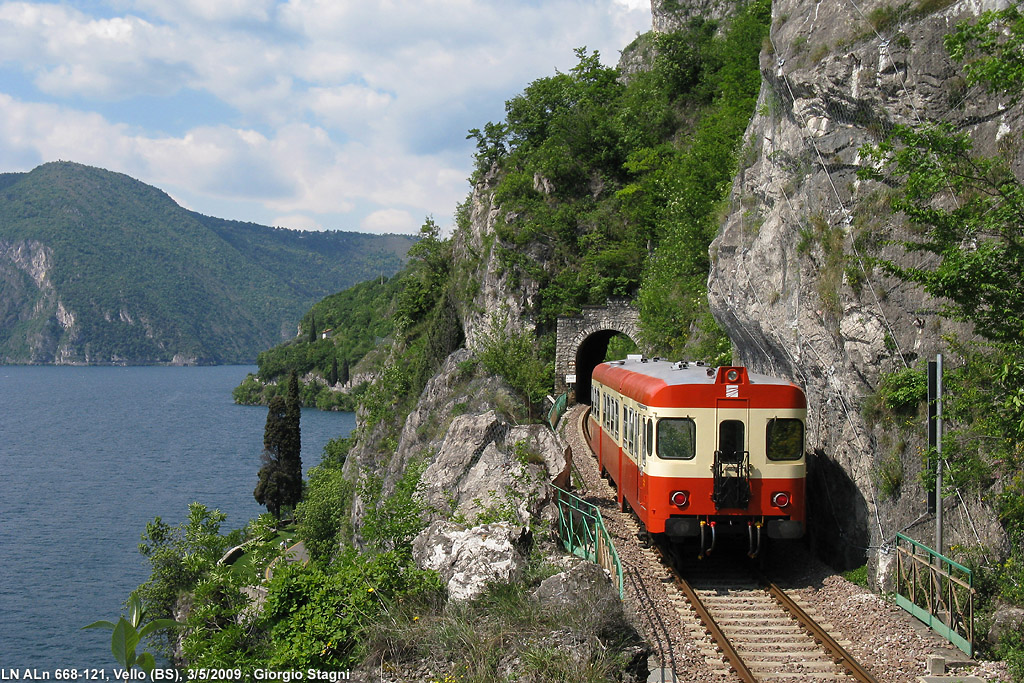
(310, 114)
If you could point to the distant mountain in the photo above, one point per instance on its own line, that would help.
(96, 267)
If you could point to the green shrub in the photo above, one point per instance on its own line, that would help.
(888, 475)
(323, 514)
(318, 618)
(391, 522)
(903, 391)
(514, 357)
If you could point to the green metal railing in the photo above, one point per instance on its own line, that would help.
(558, 409)
(936, 590)
(583, 534)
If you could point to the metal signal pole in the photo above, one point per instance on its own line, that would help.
(938, 453)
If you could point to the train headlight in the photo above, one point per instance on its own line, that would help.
(680, 498)
(732, 375)
(780, 499)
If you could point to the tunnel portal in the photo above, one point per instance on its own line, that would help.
(582, 341)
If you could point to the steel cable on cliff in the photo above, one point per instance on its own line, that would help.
(884, 44)
(838, 394)
(847, 217)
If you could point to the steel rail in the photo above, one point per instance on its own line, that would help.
(838, 653)
(716, 632)
(735, 661)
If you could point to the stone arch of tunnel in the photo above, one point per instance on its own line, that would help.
(582, 341)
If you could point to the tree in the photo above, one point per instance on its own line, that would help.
(272, 487)
(343, 377)
(280, 478)
(291, 447)
(332, 376)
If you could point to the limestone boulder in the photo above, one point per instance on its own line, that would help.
(1006, 619)
(487, 469)
(470, 559)
(586, 582)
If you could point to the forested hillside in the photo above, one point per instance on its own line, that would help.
(620, 178)
(100, 268)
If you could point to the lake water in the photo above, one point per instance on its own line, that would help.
(88, 456)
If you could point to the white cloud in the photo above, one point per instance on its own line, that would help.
(332, 112)
(298, 221)
(390, 220)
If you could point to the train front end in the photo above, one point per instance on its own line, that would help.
(699, 452)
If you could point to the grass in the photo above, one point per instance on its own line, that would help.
(858, 576)
(506, 634)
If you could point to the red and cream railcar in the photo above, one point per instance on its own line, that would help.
(692, 447)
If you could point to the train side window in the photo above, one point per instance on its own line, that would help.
(616, 417)
(628, 429)
(677, 438)
(731, 441)
(784, 439)
(650, 437)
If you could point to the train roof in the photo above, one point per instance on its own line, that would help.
(658, 382)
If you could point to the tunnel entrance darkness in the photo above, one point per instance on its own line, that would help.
(581, 342)
(590, 353)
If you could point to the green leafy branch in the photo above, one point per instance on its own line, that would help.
(127, 634)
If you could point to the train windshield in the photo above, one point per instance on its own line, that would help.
(677, 438)
(731, 441)
(784, 439)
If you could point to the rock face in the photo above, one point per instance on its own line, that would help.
(469, 559)
(486, 467)
(478, 464)
(27, 294)
(791, 281)
(672, 15)
(1006, 620)
(496, 295)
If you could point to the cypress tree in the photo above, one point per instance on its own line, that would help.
(312, 328)
(273, 486)
(280, 478)
(332, 376)
(291, 450)
(343, 377)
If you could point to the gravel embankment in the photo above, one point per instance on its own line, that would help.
(887, 641)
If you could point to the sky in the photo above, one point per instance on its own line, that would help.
(306, 114)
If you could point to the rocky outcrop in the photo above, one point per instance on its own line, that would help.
(1006, 620)
(494, 294)
(672, 15)
(470, 559)
(27, 295)
(487, 468)
(479, 464)
(791, 281)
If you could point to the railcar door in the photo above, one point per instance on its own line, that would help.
(731, 466)
(642, 431)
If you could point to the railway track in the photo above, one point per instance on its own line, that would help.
(761, 633)
(758, 632)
